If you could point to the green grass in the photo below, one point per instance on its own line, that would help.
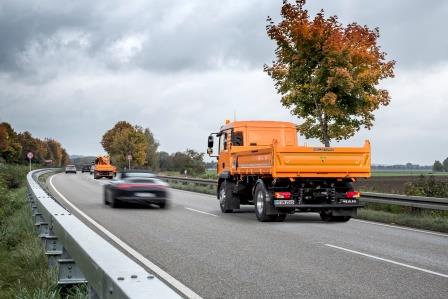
(23, 264)
(194, 188)
(406, 216)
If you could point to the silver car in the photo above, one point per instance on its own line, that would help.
(70, 169)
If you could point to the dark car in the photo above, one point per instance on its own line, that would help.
(85, 168)
(139, 187)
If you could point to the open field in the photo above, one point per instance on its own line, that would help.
(391, 184)
(388, 173)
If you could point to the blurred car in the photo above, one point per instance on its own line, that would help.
(136, 186)
(85, 168)
(70, 169)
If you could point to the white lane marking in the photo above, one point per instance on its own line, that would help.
(161, 273)
(401, 227)
(202, 212)
(388, 261)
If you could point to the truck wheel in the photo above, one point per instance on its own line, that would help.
(260, 204)
(224, 195)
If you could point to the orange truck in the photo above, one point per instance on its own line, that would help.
(260, 163)
(104, 168)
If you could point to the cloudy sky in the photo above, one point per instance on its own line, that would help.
(71, 69)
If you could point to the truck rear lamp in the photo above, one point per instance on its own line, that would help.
(352, 194)
(282, 195)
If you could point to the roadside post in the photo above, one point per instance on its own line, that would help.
(129, 160)
(30, 156)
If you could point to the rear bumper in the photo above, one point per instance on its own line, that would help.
(321, 206)
(141, 200)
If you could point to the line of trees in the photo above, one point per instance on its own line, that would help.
(124, 139)
(15, 146)
(440, 166)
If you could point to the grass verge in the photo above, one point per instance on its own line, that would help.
(390, 214)
(23, 264)
(405, 216)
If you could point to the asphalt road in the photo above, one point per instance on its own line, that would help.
(235, 256)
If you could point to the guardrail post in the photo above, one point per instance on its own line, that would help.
(54, 250)
(69, 273)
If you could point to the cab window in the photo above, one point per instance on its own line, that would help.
(238, 139)
(223, 142)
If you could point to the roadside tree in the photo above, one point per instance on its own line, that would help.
(124, 139)
(152, 156)
(445, 165)
(10, 148)
(327, 74)
(437, 167)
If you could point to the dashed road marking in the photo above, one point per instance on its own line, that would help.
(202, 212)
(388, 261)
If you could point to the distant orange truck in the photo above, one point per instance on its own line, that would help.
(103, 168)
(260, 163)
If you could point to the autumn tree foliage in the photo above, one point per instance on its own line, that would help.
(15, 146)
(10, 148)
(124, 139)
(327, 74)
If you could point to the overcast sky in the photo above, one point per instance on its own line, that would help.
(71, 69)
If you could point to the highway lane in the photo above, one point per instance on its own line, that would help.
(235, 256)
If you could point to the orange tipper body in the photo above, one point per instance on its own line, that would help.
(103, 168)
(261, 163)
(270, 148)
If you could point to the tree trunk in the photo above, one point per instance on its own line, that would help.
(323, 124)
(325, 137)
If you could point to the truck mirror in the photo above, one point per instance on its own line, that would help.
(209, 151)
(210, 142)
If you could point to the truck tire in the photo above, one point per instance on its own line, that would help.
(260, 203)
(224, 195)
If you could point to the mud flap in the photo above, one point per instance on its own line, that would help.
(270, 208)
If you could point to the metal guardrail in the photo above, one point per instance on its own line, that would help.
(433, 203)
(82, 256)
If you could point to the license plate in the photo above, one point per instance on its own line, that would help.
(349, 201)
(284, 202)
(144, 194)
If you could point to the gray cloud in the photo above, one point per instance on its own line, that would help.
(198, 35)
(71, 69)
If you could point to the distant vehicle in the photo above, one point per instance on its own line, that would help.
(261, 164)
(70, 169)
(103, 168)
(85, 168)
(139, 187)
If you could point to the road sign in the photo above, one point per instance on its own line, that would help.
(30, 155)
(129, 157)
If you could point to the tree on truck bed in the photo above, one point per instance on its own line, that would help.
(260, 163)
